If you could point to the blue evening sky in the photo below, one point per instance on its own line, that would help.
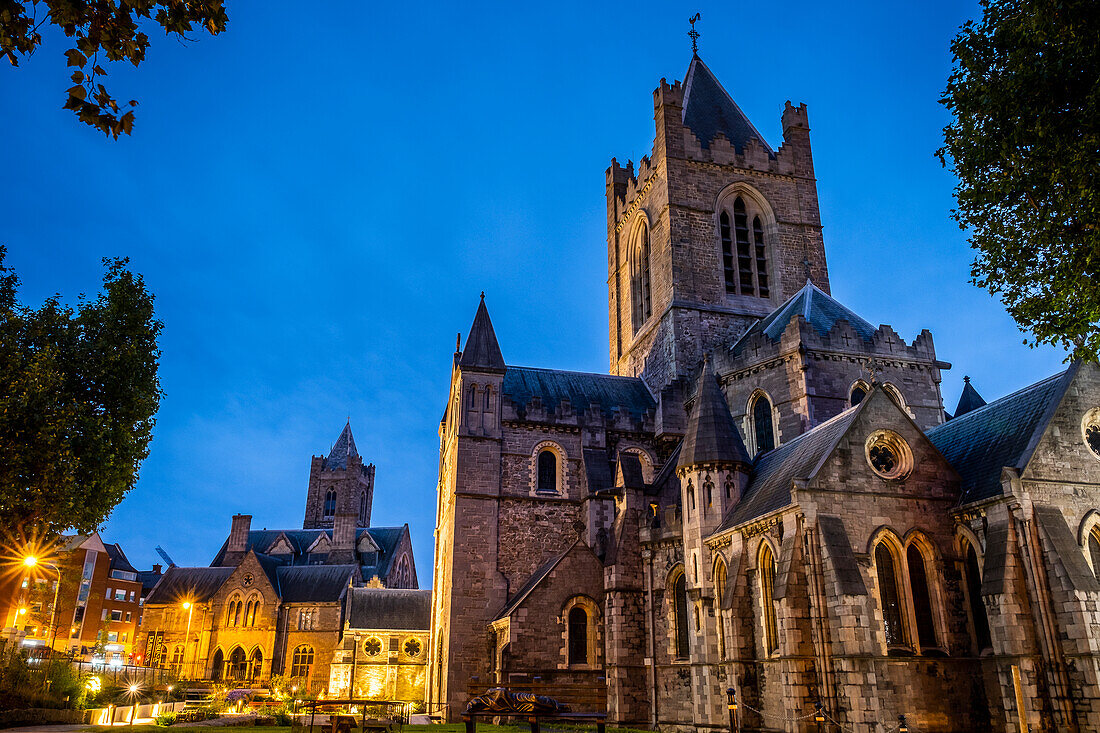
(317, 197)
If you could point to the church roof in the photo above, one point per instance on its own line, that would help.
(389, 608)
(482, 352)
(772, 474)
(969, 400)
(711, 435)
(193, 584)
(342, 449)
(982, 442)
(709, 109)
(300, 540)
(582, 389)
(820, 310)
(314, 583)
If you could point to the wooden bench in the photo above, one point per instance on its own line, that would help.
(585, 703)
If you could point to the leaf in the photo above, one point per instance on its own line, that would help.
(75, 58)
(78, 76)
(78, 91)
(99, 70)
(133, 102)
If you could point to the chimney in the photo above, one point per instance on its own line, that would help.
(238, 540)
(343, 538)
(156, 568)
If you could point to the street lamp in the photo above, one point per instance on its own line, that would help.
(819, 716)
(731, 704)
(133, 702)
(187, 606)
(902, 726)
(30, 561)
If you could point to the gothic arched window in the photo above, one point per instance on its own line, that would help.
(744, 247)
(247, 612)
(363, 508)
(302, 661)
(1094, 551)
(330, 503)
(858, 393)
(766, 566)
(547, 472)
(763, 429)
(922, 597)
(680, 614)
(761, 257)
(719, 593)
(974, 597)
(177, 660)
(727, 252)
(889, 597)
(639, 278)
(578, 635)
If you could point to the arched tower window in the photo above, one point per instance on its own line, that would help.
(363, 508)
(578, 635)
(761, 257)
(548, 472)
(763, 428)
(719, 593)
(639, 278)
(974, 598)
(742, 228)
(859, 391)
(680, 614)
(922, 597)
(766, 566)
(330, 503)
(889, 598)
(728, 268)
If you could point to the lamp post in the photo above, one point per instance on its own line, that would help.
(731, 705)
(187, 606)
(30, 561)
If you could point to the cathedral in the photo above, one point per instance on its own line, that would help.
(765, 494)
(333, 606)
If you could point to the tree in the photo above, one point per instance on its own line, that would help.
(78, 395)
(1025, 144)
(102, 31)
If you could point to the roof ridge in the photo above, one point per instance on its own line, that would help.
(574, 371)
(966, 416)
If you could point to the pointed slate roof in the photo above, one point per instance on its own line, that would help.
(711, 436)
(582, 389)
(820, 310)
(709, 109)
(969, 400)
(482, 353)
(999, 435)
(341, 449)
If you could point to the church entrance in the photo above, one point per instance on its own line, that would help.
(237, 667)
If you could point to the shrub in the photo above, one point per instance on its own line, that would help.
(166, 718)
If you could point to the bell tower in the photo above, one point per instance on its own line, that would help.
(711, 231)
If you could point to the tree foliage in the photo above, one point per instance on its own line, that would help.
(1025, 144)
(101, 31)
(78, 395)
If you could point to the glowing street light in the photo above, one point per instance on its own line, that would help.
(187, 606)
(31, 561)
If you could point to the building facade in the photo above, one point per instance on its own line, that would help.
(766, 493)
(277, 602)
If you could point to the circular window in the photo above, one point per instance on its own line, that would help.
(373, 646)
(412, 647)
(889, 455)
(1090, 430)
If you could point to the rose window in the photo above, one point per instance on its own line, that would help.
(889, 455)
(1091, 429)
(412, 648)
(373, 646)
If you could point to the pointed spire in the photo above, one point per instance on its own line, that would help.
(969, 400)
(482, 353)
(711, 436)
(342, 449)
(709, 109)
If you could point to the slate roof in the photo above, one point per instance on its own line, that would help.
(597, 469)
(314, 583)
(820, 310)
(581, 388)
(389, 608)
(482, 351)
(149, 580)
(194, 584)
(711, 436)
(772, 473)
(1001, 434)
(118, 558)
(969, 400)
(300, 539)
(342, 449)
(709, 109)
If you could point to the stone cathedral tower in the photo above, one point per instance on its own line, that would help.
(711, 233)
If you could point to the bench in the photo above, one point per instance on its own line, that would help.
(529, 702)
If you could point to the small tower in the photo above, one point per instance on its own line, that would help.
(714, 470)
(339, 483)
(969, 400)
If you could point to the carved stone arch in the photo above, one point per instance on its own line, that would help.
(678, 609)
(891, 535)
(930, 557)
(561, 473)
(859, 384)
(891, 594)
(592, 640)
(648, 459)
(749, 421)
(963, 536)
(1089, 528)
(894, 393)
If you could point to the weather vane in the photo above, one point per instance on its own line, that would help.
(694, 34)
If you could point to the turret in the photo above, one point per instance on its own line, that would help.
(480, 376)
